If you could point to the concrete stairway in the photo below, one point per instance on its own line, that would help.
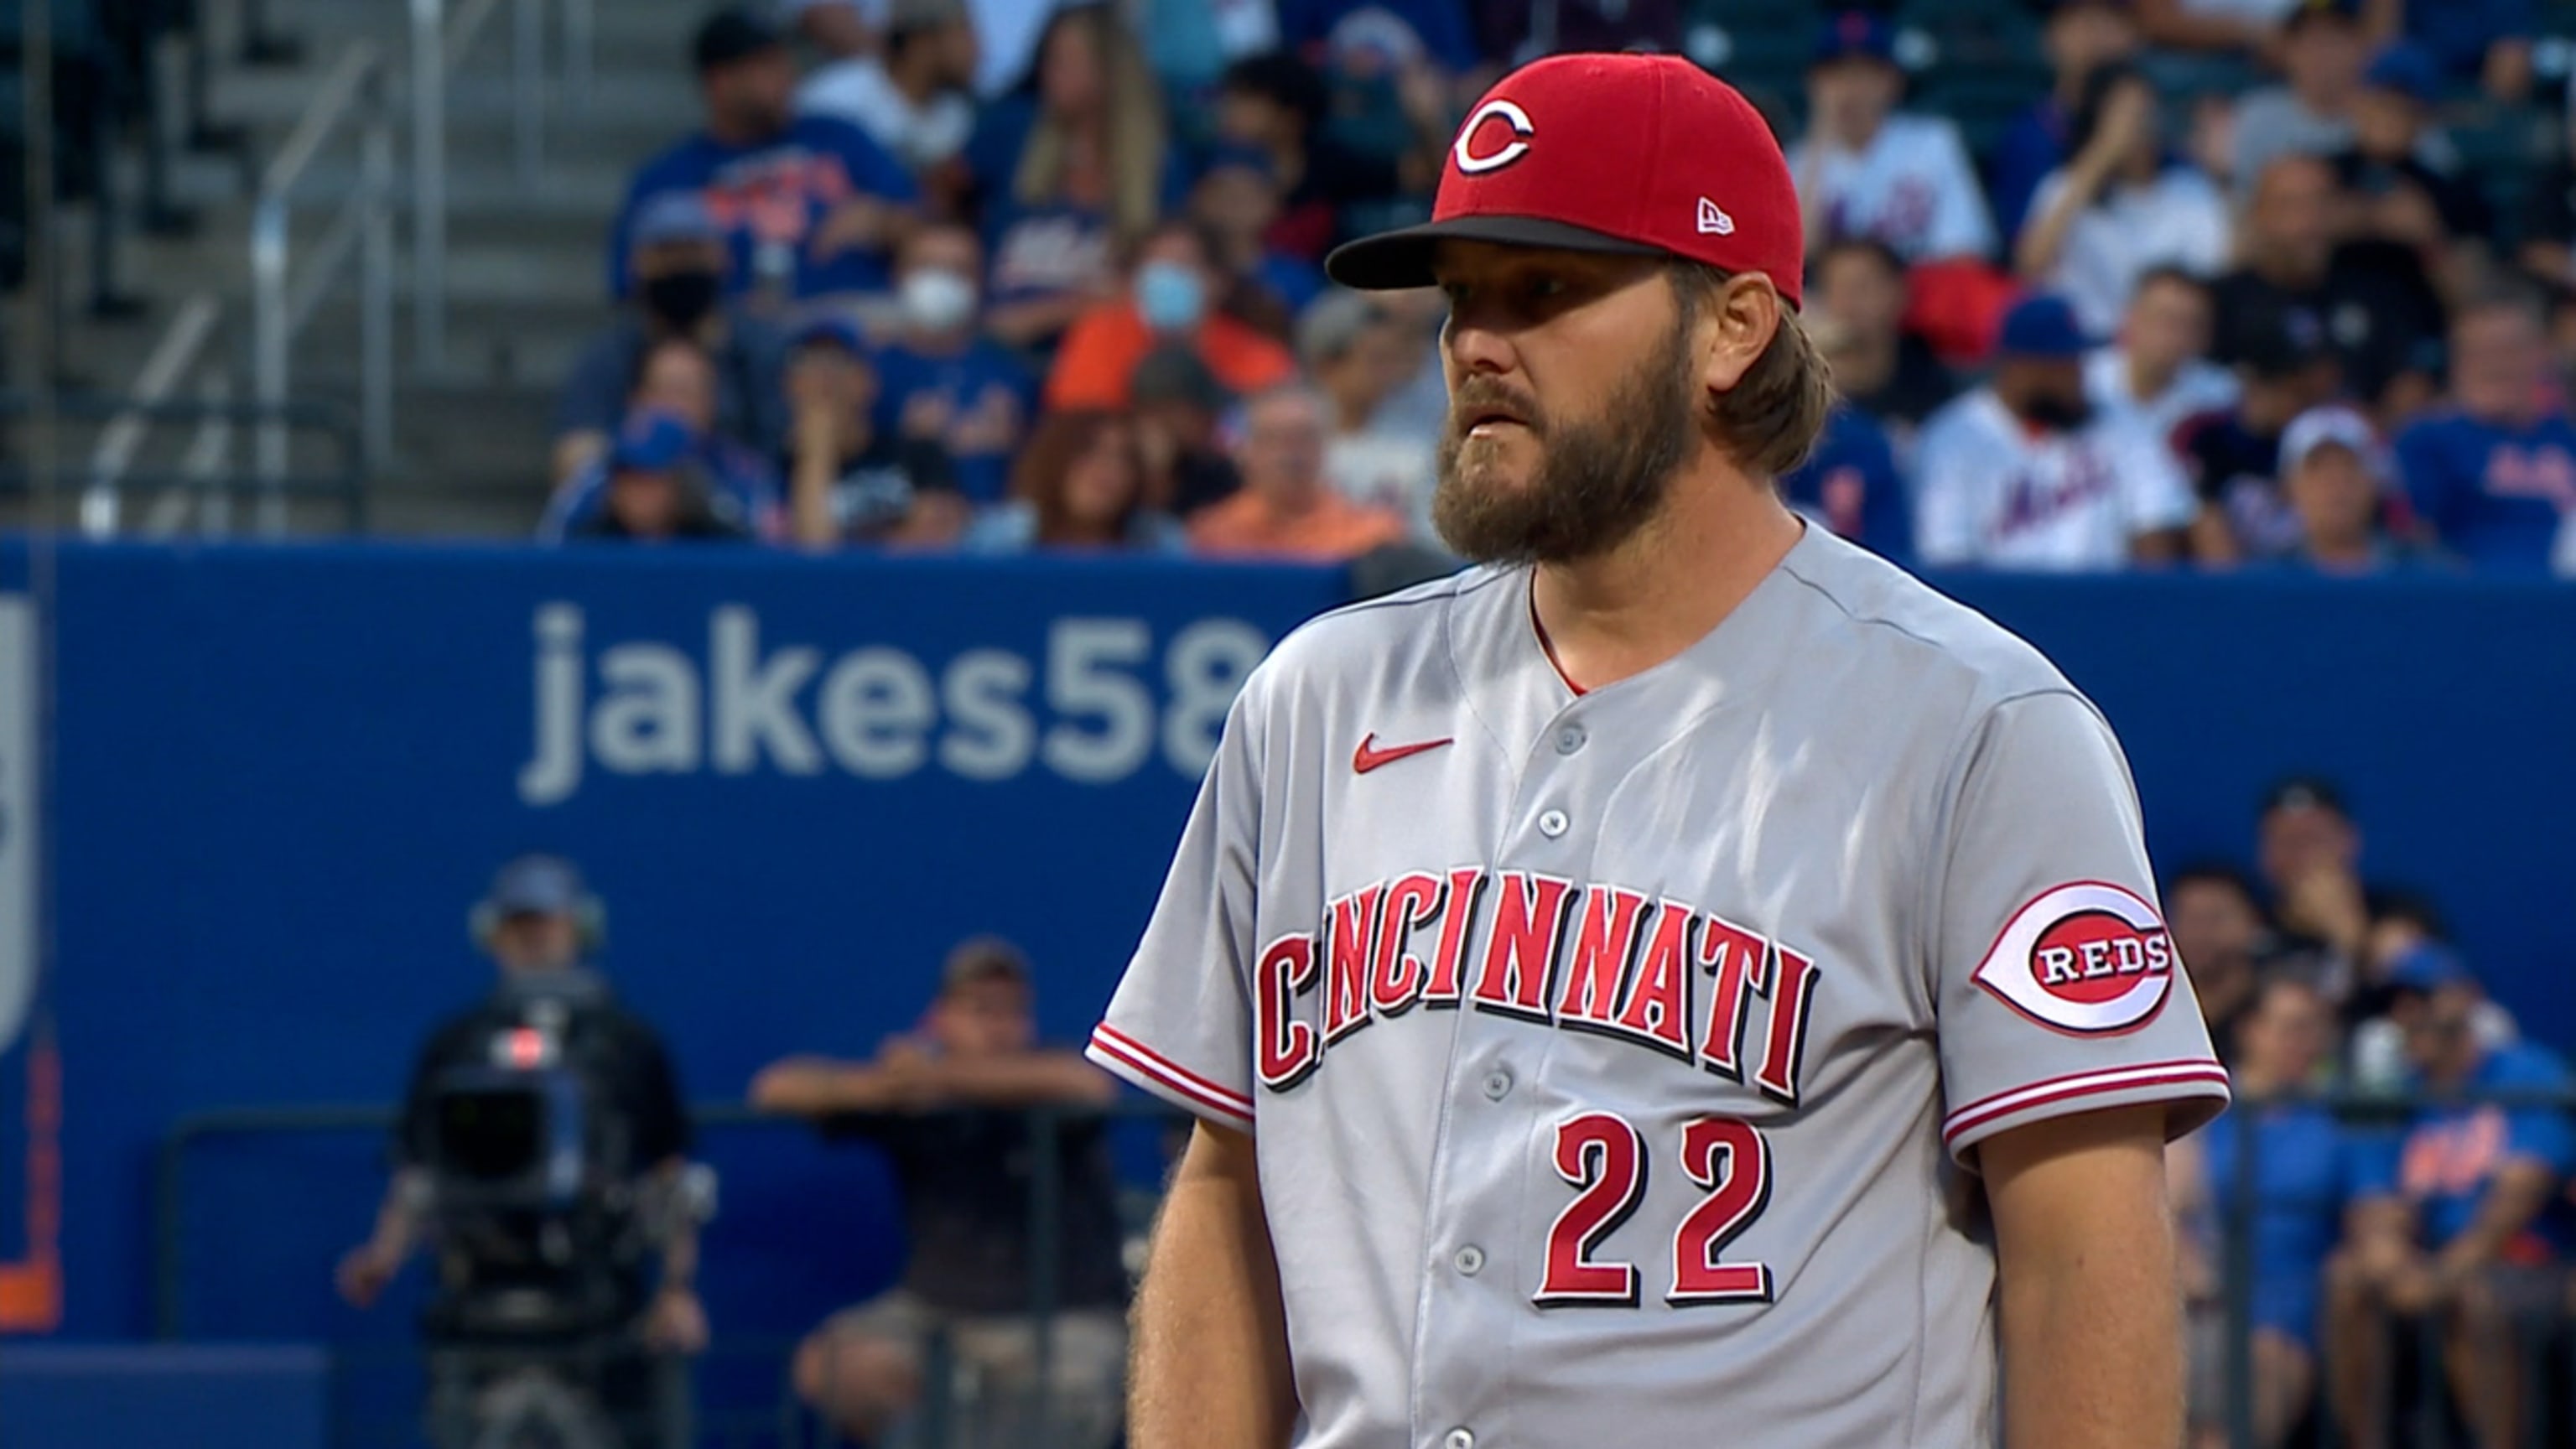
(525, 262)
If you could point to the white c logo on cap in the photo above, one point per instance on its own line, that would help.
(1512, 116)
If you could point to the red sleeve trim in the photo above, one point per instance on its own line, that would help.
(2202, 1074)
(1164, 1077)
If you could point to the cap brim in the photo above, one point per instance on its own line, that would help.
(1395, 260)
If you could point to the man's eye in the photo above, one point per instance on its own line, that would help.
(1544, 287)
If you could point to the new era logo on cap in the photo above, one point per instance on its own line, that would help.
(1606, 153)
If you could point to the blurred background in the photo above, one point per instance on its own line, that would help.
(608, 614)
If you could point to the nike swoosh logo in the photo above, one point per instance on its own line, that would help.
(1368, 756)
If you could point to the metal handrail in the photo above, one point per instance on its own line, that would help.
(101, 500)
(440, 44)
(355, 91)
(203, 474)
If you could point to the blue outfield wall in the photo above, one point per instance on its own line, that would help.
(282, 774)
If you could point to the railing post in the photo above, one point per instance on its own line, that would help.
(528, 88)
(376, 282)
(269, 324)
(2237, 1223)
(429, 183)
(581, 43)
(1046, 1257)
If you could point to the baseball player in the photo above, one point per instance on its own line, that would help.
(1681, 982)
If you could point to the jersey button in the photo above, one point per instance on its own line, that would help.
(1553, 823)
(1569, 739)
(1470, 1260)
(1498, 1084)
(1458, 1439)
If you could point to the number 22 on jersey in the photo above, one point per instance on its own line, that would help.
(1604, 1158)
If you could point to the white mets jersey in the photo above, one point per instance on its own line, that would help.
(1616, 1061)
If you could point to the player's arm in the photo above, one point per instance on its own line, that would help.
(1025, 1079)
(2091, 1310)
(1211, 1354)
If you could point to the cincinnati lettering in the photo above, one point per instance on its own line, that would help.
(1663, 975)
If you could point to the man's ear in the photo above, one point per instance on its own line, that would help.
(1736, 325)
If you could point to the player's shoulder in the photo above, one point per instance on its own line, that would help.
(1391, 635)
(1930, 649)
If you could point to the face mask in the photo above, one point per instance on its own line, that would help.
(1169, 296)
(938, 300)
(682, 299)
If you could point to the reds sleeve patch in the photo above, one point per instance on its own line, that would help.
(2088, 958)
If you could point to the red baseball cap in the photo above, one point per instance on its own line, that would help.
(1641, 154)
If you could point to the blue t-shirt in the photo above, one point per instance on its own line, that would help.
(774, 197)
(2029, 149)
(1851, 485)
(989, 396)
(2307, 1167)
(2495, 495)
(2450, 1155)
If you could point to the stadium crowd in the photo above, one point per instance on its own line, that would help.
(2276, 283)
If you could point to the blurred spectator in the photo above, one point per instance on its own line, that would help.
(2370, 301)
(1171, 297)
(2468, 1226)
(1234, 205)
(2325, 44)
(1179, 407)
(1857, 300)
(1006, 32)
(1080, 484)
(2233, 454)
(2308, 853)
(2022, 473)
(2219, 931)
(2305, 1170)
(678, 266)
(2493, 472)
(2080, 36)
(1275, 104)
(2159, 372)
(676, 380)
(847, 479)
(1286, 508)
(1360, 355)
(2484, 43)
(1517, 31)
(812, 206)
(2120, 207)
(837, 28)
(917, 100)
(2402, 197)
(1866, 169)
(2337, 476)
(1067, 170)
(1851, 485)
(1440, 26)
(652, 487)
(943, 381)
(2247, 28)
(948, 1105)
(1190, 42)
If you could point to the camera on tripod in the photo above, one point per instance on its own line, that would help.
(545, 1221)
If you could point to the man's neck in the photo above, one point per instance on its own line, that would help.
(2342, 555)
(917, 80)
(1868, 364)
(2148, 380)
(1626, 611)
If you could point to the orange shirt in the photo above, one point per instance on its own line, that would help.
(1333, 529)
(1101, 350)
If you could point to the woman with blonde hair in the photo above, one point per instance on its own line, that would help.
(1069, 170)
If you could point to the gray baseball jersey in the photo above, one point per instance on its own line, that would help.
(1623, 1053)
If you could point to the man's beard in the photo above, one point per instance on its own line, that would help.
(1596, 482)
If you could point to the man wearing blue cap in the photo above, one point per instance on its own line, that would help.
(2023, 474)
(2467, 1225)
(2405, 196)
(1867, 169)
(677, 259)
(552, 1025)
